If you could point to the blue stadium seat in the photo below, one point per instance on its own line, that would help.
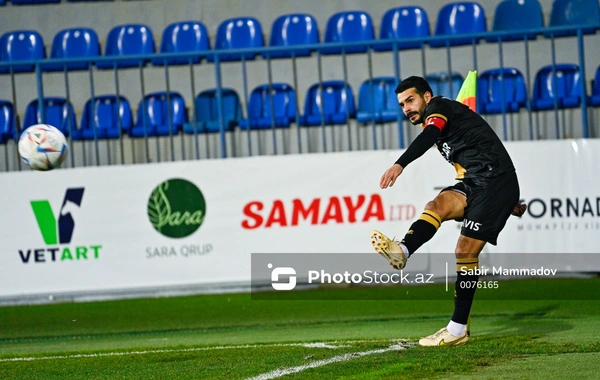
(459, 18)
(291, 30)
(594, 98)
(517, 16)
(281, 98)
(207, 111)
(403, 22)
(337, 104)
(489, 91)
(2, 2)
(383, 98)
(103, 115)
(33, 2)
(73, 43)
(440, 84)
(238, 33)
(182, 37)
(8, 127)
(574, 13)
(154, 112)
(21, 45)
(351, 26)
(566, 90)
(129, 39)
(57, 112)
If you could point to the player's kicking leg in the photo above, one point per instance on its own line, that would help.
(446, 206)
(391, 249)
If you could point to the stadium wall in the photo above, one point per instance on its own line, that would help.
(190, 227)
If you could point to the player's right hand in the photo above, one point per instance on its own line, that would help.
(389, 177)
(519, 209)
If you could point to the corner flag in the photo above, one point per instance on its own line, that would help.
(468, 91)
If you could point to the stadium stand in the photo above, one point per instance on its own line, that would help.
(238, 33)
(560, 85)
(403, 23)
(574, 12)
(21, 45)
(271, 106)
(516, 16)
(377, 100)
(459, 18)
(501, 90)
(105, 117)
(337, 100)
(350, 26)
(125, 40)
(56, 111)
(291, 30)
(73, 43)
(206, 106)
(160, 114)
(185, 36)
(8, 127)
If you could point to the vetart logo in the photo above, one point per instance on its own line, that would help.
(58, 230)
(176, 208)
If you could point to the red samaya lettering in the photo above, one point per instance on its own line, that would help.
(317, 211)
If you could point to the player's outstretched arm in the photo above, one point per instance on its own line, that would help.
(389, 177)
(419, 146)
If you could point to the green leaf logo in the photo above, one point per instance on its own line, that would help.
(176, 208)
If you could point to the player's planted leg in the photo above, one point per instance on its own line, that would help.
(457, 331)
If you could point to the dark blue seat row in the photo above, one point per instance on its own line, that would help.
(329, 103)
(402, 23)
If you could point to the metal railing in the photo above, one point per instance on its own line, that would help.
(265, 52)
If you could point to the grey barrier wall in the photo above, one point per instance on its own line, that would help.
(244, 76)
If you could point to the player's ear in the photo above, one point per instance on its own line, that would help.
(427, 96)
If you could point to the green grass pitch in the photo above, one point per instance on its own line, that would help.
(231, 336)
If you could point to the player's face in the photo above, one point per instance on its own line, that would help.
(413, 104)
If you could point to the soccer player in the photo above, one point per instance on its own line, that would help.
(485, 196)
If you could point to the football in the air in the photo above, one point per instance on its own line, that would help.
(42, 147)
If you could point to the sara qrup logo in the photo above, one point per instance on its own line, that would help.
(176, 208)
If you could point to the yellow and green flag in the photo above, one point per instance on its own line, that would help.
(468, 91)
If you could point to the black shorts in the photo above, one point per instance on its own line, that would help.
(488, 207)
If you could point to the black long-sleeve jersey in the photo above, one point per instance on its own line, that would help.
(463, 138)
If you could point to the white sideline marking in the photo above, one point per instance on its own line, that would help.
(107, 354)
(319, 363)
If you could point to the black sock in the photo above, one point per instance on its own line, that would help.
(421, 231)
(464, 289)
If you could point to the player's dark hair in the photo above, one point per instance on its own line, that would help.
(418, 83)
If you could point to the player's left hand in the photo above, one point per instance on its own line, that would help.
(519, 209)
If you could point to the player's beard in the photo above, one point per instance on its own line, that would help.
(417, 121)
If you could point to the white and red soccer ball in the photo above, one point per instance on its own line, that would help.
(42, 147)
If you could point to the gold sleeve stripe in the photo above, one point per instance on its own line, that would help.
(437, 115)
(429, 219)
(460, 171)
(467, 260)
(464, 267)
(433, 215)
